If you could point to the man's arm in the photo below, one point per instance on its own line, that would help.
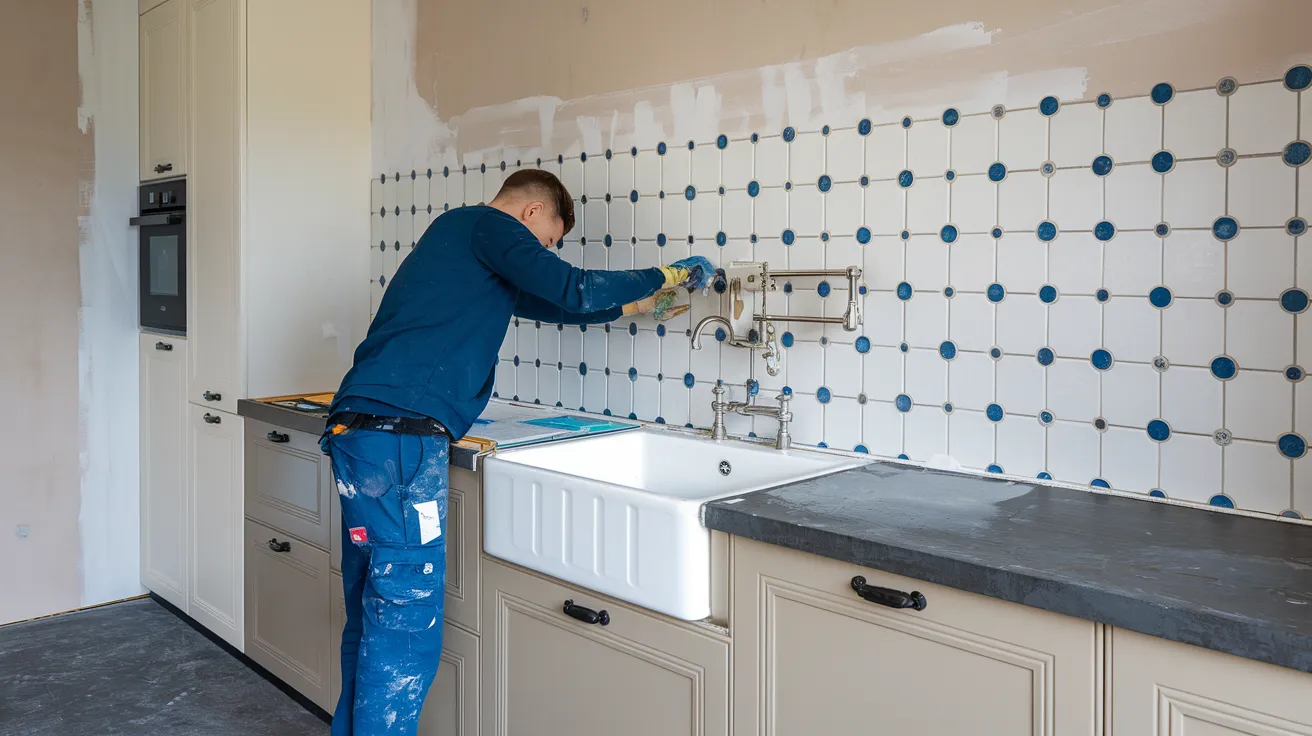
(540, 310)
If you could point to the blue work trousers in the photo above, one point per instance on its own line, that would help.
(393, 492)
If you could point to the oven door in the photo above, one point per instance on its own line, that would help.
(164, 273)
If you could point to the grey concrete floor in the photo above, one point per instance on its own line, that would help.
(134, 668)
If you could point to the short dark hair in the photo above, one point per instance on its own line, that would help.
(543, 185)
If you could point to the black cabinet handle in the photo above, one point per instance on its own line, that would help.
(278, 438)
(211, 419)
(165, 346)
(888, 596)
(161, 168)
(212, 396)
(277, 546)
(586, 615)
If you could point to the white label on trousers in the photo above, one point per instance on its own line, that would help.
(430, 524)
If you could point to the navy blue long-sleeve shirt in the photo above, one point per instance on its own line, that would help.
(431, 350)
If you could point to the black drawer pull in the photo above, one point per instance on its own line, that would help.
(586, 615)
(278, 438)
(888, 596)
(212, 396)
(161, 345)
(161, 168)
(277, 546)
(212, 419)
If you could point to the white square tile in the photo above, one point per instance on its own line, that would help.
(1021, 447)
(595, 255)
(526, 341)
(1190, 468)
(674, 355)
(1075, 263)
(1194, 263)
(571, 175)
(845, 155)
(571, 346)
(841, 252)
(676, 217)
(571, 388)
(647, 255)
(883, 262)
(927, 149)
(1302, 495)
(806, 368)
(549, 386)
(974, 205)
(927, 263)
(1022, 263)
(619, 221)
(1133, 264)
(1304, 336)
(971, 380)
(594, 348)
(736, 214)
(886, 151)
(646, 399)
(1133, 130)
(806, 159)
(1262, 192)
(1193, 332)
(621, 174)
(1022, 201)
(808, 426)
(492, 182)
(1134, 196)
(508, 345)
(405, 228)
(842, 424)
(1020, 385)
(885, 208)
(737, 162)
(549, 164)
(842, 369)
(806, 210)
(1255, 477)
(1073, 452)
(1022, 324)
(927, 205)
(1023, 139)
(974, 144)
(647, 172)
(1260, 263)
(706, 167)
(704, 364)
(805, 302)
(884, 318)
(971, 263)
(505, 379)
(526, 383)
(675, 402)
(1195, 124)
(405, 192)
(881, 428)
(549, 345)
(971, 322)
(843, 209)
(771, 214)
(619, 348)
(474, 188)
(1263, 118)
(706, 215)
(1132, 329)
(1255, 405)
(882, 370)
(421, 190)
(647, 352)
(676, 172)
(926, 319)
(1076, 135)
(376, 194)
(1129, 460)
(970, 439)
(1075, 326)
(647, 218)
(807, 253)
(924, 433)
(1073, 392)
(1075, 198)
(1260, 335)
(1191, 400)
(619, 394)
(1130, 395)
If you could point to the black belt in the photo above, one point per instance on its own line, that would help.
(396, 425)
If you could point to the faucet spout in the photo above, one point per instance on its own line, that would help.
(701, 327)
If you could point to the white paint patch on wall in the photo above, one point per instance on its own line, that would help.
(108, 395)
(406, 131)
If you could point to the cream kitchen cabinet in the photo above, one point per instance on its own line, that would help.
(1165, 688)
(464, 547)
(214, 462)
(163, 99)
(813, 657)
(164, 504)
(632, 672)
(289, 482)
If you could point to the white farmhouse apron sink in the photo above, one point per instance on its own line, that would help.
(621, 514)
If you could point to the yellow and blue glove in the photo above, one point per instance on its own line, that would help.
(693, 273)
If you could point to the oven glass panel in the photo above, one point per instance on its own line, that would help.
(164, 271)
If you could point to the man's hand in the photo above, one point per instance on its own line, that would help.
(640, 307)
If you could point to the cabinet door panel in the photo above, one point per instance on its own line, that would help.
(163, 94)
(214, 440)
(286, 487)
(164, 508)
(464, 546)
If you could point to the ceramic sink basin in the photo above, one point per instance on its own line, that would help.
(621, 514)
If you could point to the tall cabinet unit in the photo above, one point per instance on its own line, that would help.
(163, 98)
(165, 511)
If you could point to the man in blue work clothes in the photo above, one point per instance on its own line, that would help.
(422, 375)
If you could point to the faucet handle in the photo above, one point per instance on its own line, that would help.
(783, 399)
(718, 391)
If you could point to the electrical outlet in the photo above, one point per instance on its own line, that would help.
(22, 530)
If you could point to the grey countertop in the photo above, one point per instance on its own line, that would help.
(313, 423)
(1230, 583)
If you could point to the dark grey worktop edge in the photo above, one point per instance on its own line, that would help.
(1188, 625)
(461, 457)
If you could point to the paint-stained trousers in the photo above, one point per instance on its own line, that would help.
(393, 491)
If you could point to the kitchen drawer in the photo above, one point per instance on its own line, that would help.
(288, 482)
(813, 656)
(638, 674)
(288, 619)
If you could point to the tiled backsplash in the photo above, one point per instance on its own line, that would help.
(1103, 292)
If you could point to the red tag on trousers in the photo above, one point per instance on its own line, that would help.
(359, 535)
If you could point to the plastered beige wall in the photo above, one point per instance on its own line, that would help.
(618, 70)
(42, 158)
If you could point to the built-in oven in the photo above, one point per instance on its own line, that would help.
(163, 224)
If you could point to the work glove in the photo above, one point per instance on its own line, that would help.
(693, 273)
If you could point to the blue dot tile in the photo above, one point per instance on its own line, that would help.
(822, 288)
(1104, 231)
(789, 135)
(996, 233)
(788, 287)
(1163, 93)
(721, 239)
(995, 469)
(904, 347)
(1297, 153)
(861, 449)
(1295, 373)
(822, 395)
(1298, 78)
(1100, 483)
(1159, 430)
(1296, 226)
(755, 137)
(903, 456)
(787, 390)
(1047, 231)
(788, 237)
(1291, 514)
(788, 186)
(688, 380)
(1294, 301)
(906, 122)
(950, 175)
(906, 235)
(1104, 101)
(1045, 417)
(1049, 106)
(1102, 295)
(1162, 229)
(865, 181)
(863, 127)
(948, 234)
(1224, 367)
(949, 292)
(1103, 165)
(1221, 500)
(720, 334)
(661, 149)
(1101, 359)
(824, 183)
(1163, 162)
(904, 291)
(1048, 294)
(753, 189)
(660, 239)
(1225, 228)
(722, 142)
(947, 349)
(787, 339)
(951, 117)
(994, 412)
(903, 403)
(863, 235)
(863, 344)
(1224, 298)
(997, 171)
(690, 193)
(583, 369)
(996, 293)
(1160, 297)
(905, 179)
(947, 407)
